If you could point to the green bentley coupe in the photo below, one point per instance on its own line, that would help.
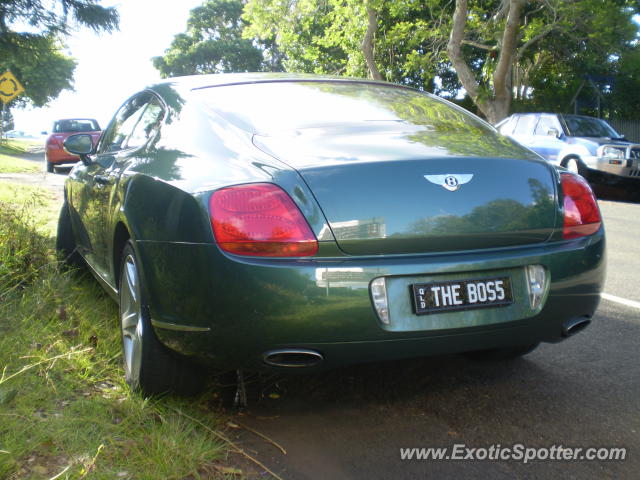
(273, 221)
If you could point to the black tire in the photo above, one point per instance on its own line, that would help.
(149, 366)
(498, 354)
(65, 241)
(574, 164)
(48, 166)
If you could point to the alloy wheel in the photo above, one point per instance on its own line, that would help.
(131, 320)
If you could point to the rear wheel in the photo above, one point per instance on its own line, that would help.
(148, 365)
(48, 166)
(65, 241)
(497, 354)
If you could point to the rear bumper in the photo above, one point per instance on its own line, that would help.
(526, 332)
(229, 311)
(59, 156)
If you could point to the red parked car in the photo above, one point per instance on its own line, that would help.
(55, 154)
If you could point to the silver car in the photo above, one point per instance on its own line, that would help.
(585, 145)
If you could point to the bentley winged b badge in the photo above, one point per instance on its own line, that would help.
(450, 181)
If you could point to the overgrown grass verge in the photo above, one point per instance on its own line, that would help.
(12, 150)
(32, 208)
(65, 411)
(17, 165)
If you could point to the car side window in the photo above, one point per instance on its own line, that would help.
(114, 138)
(147, 124)
(524, 125)
(547, 123)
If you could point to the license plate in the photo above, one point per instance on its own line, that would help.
(461, 295)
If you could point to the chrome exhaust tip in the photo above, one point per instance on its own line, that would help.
(292, 358)
(573, 326)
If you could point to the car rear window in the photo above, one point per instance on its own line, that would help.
(75, 125)
(271, 106)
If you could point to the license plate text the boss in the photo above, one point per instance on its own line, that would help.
(460, 295)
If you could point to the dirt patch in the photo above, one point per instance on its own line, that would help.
(50, 181)
(34, 154)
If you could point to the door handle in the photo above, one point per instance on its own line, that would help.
(102, 179)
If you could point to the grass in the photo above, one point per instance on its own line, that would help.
(39, 204)
(65, 410)
(16, 146)
(16, 165)
(12, 153)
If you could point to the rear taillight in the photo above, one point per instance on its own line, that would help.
(581, 213)
(260, 219)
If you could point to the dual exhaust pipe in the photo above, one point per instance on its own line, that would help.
(304, 358)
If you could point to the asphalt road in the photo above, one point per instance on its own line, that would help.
(352, 423)
(622, 223)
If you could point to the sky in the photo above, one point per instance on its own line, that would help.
(112, 67)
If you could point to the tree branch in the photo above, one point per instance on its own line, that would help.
(368, 43)
(501, 12)
(509, 41)
(465, 75)
(481, 46)
(521, 51)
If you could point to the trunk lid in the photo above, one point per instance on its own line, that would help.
(384, 193)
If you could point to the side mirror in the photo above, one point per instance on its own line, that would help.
(553, 132)
(80, 144)
(44, 132)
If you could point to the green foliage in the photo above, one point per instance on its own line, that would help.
(558, 43)
(297, 28)
(624, 99)
(590, 38)
(325, 36)
(40, 66)
(213, 43)
(34, 56)
(57, 16)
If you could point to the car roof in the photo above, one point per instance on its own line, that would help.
(195, 82)
(75, 118)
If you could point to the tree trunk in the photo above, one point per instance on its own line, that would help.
(454, 50)
(494, 104)
(502, 75)
(368, 43)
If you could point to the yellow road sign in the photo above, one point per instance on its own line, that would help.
(10, 87)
